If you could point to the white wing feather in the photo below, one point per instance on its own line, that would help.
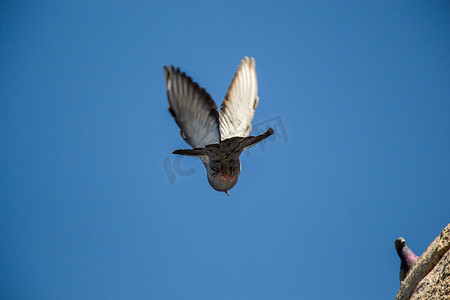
(238, 107)
(192, 108)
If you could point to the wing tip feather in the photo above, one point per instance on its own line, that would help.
(171, 71)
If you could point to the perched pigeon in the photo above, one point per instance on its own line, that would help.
(217, 138)
(407, 257)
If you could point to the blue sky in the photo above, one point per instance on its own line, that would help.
(95, 206)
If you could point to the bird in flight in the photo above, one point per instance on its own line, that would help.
(216, 137)
(407, 257)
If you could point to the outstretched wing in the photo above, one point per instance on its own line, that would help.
(192, 108)
(238, 107)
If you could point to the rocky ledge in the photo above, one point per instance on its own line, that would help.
(429, 278)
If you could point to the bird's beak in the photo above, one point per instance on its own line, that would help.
(226, 192)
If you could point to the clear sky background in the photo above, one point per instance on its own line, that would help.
(95, 206)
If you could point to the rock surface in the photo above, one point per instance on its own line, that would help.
(429, 278)
(436, 285)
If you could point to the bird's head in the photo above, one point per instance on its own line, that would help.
(224, 179)
(399, 244)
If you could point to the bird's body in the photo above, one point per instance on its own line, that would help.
(407, 257)
(217, 138)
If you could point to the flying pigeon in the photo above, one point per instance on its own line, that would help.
(217, 138)
(407, 257)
